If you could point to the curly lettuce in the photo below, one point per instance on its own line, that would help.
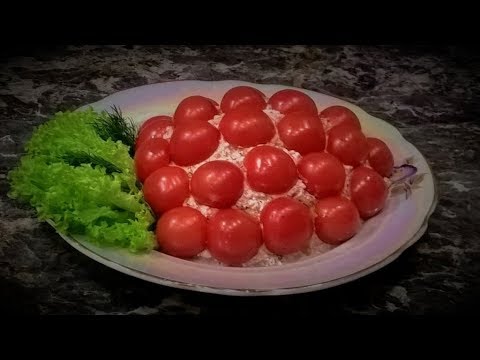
(83, 198)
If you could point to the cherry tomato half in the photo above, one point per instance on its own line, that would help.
(194, 142)
(348, 144)
(246, 127)
(182, 232)
(380, 157)
(368, 191)
(287, 226)
(270, 170)
(337, 220)
(339, 115)
(322, 173)
(302, 132)
(150, 156)
(166, 188)
(153, 120)
(155, 127)
(194, 108)
(243, 96)
(218, 184)
(233, 237)
(289, 100)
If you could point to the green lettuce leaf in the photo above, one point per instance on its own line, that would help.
(83, 199)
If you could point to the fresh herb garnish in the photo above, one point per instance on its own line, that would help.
(116, 127)
(79, 158)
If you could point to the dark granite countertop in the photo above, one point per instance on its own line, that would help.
(430, 95)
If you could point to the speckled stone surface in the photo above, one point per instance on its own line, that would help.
(430, 95)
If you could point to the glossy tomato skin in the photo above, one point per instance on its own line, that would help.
(243, 96)
(194, 108)
(380, 157)
(339, 115)
(302, 132)
(166, 188)
(287, 226)
(182, 232)
(270, 170)
(322, 173)
(233, 237)
(290, 100)
(193, 143)
(245, 127)
(150, 156)
(155, 127)
(348, 144)
(217, 184)
(368, 191)
(154, 120)
(337, 220)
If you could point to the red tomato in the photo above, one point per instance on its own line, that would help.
(289, 100)
(154, 129)
(270, 170)
(348, 144)
(287, 226)
(322, 173)
(194, 108)
(233, 237)
(380, 157)
(192, 143)
(150, 156)
(302, 132)
(339, 115)
(246, 127)
(182, 232)
(337, 220)
(166, 188)
(368, 191)
(243, 96)
(153, 120)
(218, 184)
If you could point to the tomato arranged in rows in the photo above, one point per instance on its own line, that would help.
(302, 132)
(243, 96)
(287, 226)
(150, 156)
(194, 108)
(380, 157)
(348, 144)
(182, 232)
(288, 101)
(270, 170)
(217, 184)
(322, 173)
(339, 115)
(233, 237)
(155, 127)
(368, 191)
(246, 127)
(166, 188)
(337, 219)
(193, 143)
(154, 120)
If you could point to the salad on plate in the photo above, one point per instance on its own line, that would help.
(251, 181)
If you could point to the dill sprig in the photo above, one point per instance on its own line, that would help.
(116, 127)
(79, 158)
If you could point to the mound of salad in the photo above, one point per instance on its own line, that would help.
(252, 181)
